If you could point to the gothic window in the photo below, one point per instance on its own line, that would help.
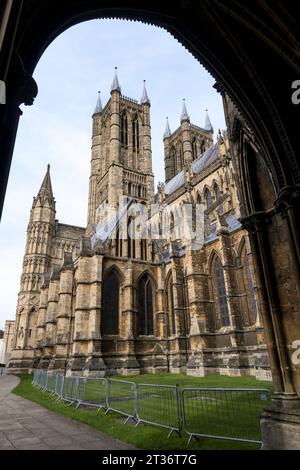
(135, 134)
(217, 191)
(208, 198)
(110, 304)
(202, 148)
(124, 130)
(218, 195)
(139, 191)
(194, 148)
(145, 311)
(246, 288)
(119, 247)
(143, 248)
(173, 161)
(219, 289)
(199, 199)
(185, 303)
(171, 327)
(130, 239)
(129, 188)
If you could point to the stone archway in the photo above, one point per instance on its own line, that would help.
(226, 37)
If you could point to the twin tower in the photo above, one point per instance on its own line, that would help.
(121, 163)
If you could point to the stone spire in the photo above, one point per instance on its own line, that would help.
(167, 132)
(184, 114)
(145, 98)
(115, 86)
(98, 107)
(45, 191)
(208, 125)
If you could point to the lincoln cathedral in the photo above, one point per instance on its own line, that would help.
(122, 305)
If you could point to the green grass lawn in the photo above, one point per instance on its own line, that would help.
(151, 437)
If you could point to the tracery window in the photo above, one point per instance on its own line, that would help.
(145, 311)
(219, 289)
(110, 304)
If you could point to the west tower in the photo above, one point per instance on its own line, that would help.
(121, 162)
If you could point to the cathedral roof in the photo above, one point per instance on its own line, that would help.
(198, 165)
(206, 159)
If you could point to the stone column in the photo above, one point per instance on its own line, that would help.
(64, 313)
(94, 363)
(51, 313)
(280, 423)
(126, 347)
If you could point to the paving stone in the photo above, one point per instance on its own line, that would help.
(25, 425)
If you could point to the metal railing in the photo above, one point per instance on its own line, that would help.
(121, 398)
(159, 405)
(92, 392)
(221, 413)
(69, 389)
(59, 386)
(224, 413)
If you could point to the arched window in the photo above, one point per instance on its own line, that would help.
(124, 130)
(202, 148)
(110, 304)
(172, 226)
(143, 248)
(185, 303)
(199, 198)
(119, 246)
(194, 148)
(246, 288)
(173, 161)
(208, 198)
(135, 134)
(130, 238)
(145, 311)
(218, 196)
(219, 288)
(217, 191)
(170, 306)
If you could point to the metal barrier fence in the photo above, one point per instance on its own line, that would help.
(69, 390)
(92, 392)
(159, 405)
(59, 386)
(221, 413)
(51, 382)
(224, 413)
(121, 398)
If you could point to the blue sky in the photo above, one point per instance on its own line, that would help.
(57, 129)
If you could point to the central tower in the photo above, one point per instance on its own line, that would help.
(121, 163)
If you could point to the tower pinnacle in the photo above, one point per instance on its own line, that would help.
(115, 86)
(98, 107)
(184, 114)
(208, 126)
(46, 187)
(167, 132)
(145, 98)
